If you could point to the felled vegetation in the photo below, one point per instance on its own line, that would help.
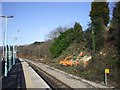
(99, 41)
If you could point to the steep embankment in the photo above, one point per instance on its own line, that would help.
(76, 58)
(94, 69)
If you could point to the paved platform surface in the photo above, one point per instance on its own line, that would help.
(32, 79)
(23, 76)
(15, 78)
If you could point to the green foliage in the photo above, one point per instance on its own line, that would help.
(78, 32)
(98, 29)
(100, 16)
(88, 36)
(100, 10)
(36, 43)
(115, 22)
(116, 16)
(65, 39)
(113, 31)
(94, 35)
(116, 34)
(61, 43)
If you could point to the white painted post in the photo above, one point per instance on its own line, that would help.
(106, 79)
(9, 58)
(13, 55)
(6, 70)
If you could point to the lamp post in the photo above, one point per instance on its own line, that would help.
(10, 65)
(16, 44)
(14, 51)
(5, 41)
(15, 48)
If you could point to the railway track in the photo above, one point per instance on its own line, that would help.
(54, 83)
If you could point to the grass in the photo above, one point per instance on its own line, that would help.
(95, 69)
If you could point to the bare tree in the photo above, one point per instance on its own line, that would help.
(56, 32)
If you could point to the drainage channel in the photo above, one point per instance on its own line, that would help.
(54, 83)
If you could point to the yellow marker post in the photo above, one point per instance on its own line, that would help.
(106, 72)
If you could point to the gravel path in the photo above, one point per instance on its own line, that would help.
(70, 80)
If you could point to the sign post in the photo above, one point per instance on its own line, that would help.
(106, 78)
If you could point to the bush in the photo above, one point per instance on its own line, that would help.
(65, 39)
(61, 43)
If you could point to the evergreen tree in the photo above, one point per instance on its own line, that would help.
(116, 16)
(116, 32)
(78, 32)
(62, 42)
(88, 36)
(97, 35)
(100, 17)
(100, 10)
(115, 22)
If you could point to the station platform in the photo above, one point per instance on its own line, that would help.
(23, 76)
